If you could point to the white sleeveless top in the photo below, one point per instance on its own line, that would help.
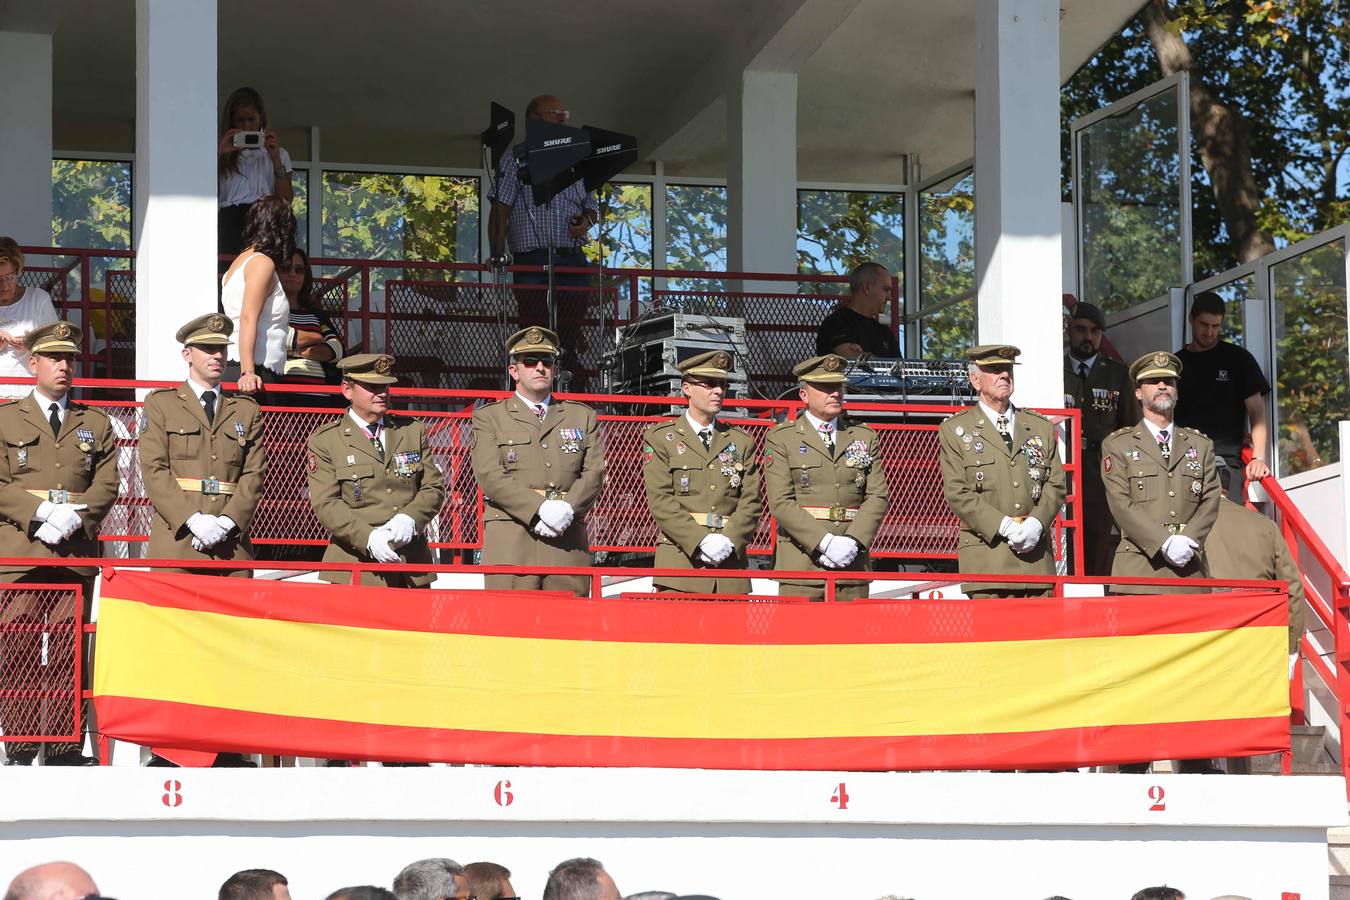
(269, 346)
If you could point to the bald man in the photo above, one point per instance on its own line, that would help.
(52, 881)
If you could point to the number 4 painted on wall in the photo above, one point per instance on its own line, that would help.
(840, 797)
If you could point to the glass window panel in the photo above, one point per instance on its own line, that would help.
(947, 265)
(91, 207)
(696, 233)
(390, 216)
(948, 332)
(1308, 309)
(300, 206)
(625, 227)
(1131, 204)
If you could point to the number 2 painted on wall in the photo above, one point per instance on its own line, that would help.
(1156, 794)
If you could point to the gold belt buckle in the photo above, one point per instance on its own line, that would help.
(714, 520)
(210, 485)
(838, 514)
(58, 496)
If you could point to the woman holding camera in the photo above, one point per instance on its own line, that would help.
(252, 165)
(252, 296)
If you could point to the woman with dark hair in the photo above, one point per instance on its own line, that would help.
(251, 295)
(248, 170)
(313, 346)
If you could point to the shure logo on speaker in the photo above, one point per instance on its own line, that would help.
(609, 148)
(556, 141)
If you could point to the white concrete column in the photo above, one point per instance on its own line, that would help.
(762, 172)
(26, 137)
(1017, 206)
(175, 176)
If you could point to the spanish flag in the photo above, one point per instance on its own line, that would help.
(519, 678)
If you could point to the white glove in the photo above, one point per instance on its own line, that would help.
(823, 552)
(43, 511)
(206, 529)
(64, 518)
(378, 546)
(715, 548)
(49, 534)
(556, 514)
(842, 551)
(1179, 549)
(1026, 536)
(198, 545)
(541, 528)
(1007, 528)
(402, 528)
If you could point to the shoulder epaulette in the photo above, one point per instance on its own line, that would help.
(327, 426)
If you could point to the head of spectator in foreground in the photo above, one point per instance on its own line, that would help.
(244, 110)
(51, 357)
(1161, 892)
(869, 289)
(52, 881)
(580, 879)
(362, 892)
(269, 228)
(255, 884)
(297, 281)
(651, 895)
(820, 385)
(11, 267)
(990, 367)
(1207, 311)
(1087, 324)
(1155, 385)
(549, 108)
(533, 353)
(489, 881)
(366, 380)
(432, 879)
(703, 381)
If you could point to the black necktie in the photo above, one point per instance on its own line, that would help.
(1003, 430)
(706, 437)
(209, 404)
(1082, 371)
(54, 417)
(374, 430)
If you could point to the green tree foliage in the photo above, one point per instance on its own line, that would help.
(947, 268)
(837, 230)
(91, 204)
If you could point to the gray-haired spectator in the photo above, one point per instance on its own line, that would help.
(52, 881)
(580, 879)
(21, 310)
(489, 881)
(362, 892)
(255, 884)
(432, 879)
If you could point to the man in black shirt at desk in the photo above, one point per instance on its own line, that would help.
(1221, 388)
(852, 329)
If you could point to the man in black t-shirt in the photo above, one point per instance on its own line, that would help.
(852, 329)
(1221, 388)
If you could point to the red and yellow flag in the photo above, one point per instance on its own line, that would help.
(537, 679)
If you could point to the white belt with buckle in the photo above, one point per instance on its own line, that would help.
(832, 513)
(55, 495)
(209, 486)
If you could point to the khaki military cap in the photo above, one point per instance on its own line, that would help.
(53, 337)
(1159, 364)
(369, 368)
(210, 330)
(535, 339)
(827, 369)
(994, 355)
(713, 364)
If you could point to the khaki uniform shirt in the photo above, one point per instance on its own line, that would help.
(719, 484)
(82, 459)
(179, 443)
(354, 491)
(1246, 544)
(1151, 500)
(983, 481)
(799, 472)
(518, 460)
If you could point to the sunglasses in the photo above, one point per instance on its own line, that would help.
(530, 361)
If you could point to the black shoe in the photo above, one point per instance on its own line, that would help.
(233, 761)
(1199, 767)
(336, 764)
(20, 759)
(70, 758)
(159, 762)
(1134, 768)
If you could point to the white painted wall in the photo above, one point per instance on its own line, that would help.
(175, 176)
(734, 835)
(26, 137)
(1018, 218)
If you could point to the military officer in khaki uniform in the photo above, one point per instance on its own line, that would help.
(824, 483)
(702, 482)
(1002, 477)
(1100, 388)
(202, 457)
(58, 479)
(372, 482)
(541, 465)
(1161, 484)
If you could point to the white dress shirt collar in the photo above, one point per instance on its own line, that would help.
(993, 417)
(45, 403)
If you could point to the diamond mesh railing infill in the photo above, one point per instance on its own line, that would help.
(917, 524)
(40, 628)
